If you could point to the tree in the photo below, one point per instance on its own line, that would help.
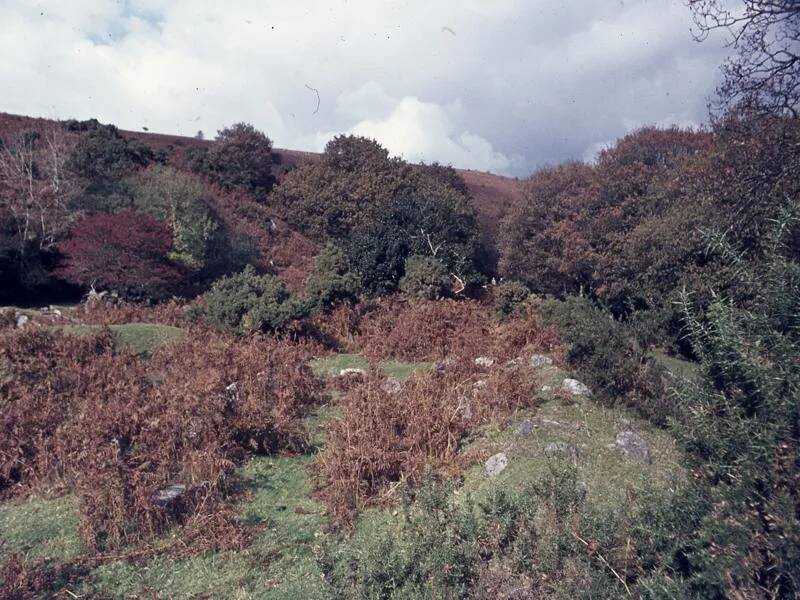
(127, 252)
(240, 158)
(332, 281)
(329, 198)
(35, 189)
(764, 73)
(415, 223)
(102, 154)
(182, 201)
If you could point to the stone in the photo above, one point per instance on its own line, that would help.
(633, 446)
(484, 361)
(169, 495)
(575, 387)
(553, 449)
(352, 371)
(496, 464)
(525, 427)
(440, 366)
(232, 392)
(22, 320)
(538, 361)
(391, 385)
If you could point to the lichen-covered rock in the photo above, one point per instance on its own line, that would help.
(633, 446)
(575, 387)
(391, 385)
(351, 371)
(496, 464)
(484, 361)
(555, 449)
(537, 361)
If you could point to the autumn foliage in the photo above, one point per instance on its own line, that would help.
(125, 251)
(81, 415)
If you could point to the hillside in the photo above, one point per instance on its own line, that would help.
(491, 193)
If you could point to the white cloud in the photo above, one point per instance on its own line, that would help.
(424, 132)
(538, 79)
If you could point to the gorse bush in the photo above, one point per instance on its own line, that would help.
(424, 278)
(332, 281)
(103, 154)
(612, 357)
(247, 302)
(509, 298)
(511, 544)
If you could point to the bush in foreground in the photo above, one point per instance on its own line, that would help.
(247, 302)
(425, 278)
(332, 281)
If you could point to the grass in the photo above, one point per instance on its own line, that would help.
(607, 474)
(41, 528)
(281, 563)
(137, 338)
(680, 368)
(332, 365)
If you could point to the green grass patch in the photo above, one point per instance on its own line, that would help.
(327, 366)
(41, 528)
(608, 475)
(137, 338)
(677, 366)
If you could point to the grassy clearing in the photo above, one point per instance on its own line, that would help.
(280, 564)
(332, 365)
(678, 367)
(607, 474)
(137, 338)
(41, 528)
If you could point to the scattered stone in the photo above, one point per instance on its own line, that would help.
(22, 320)
(352, 371)
(525, 427)
(547, 388)
(538, 361)
(575, 387)
(441, 365)
(633, 446)
(169, 495)
(553, 449)
(484, 361)
(232, 392)
(496, 464)
(392, 385)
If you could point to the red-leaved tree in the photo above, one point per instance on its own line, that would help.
(126, 251)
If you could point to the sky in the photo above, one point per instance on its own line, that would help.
(495, 85)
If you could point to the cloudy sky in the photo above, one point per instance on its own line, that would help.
(498, 85)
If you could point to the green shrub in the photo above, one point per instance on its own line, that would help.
(332, 281)
(424, 278)
(611, 358)
(416, 223)
(450, 547)
(182, 201)
(240, 157)
(102, 153)
(247, 302)
(509, 298)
